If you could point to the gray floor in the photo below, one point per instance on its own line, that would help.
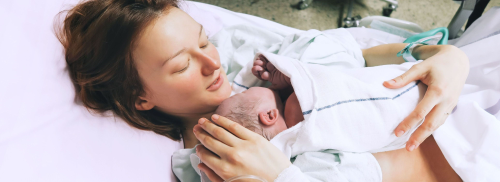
(323, 14)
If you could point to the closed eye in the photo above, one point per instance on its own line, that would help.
(208, 42)
(185, 68)
(205, 45)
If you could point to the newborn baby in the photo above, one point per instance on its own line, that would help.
(270, 111)
(337, 144)
(261, 109)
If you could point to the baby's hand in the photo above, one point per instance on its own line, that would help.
(266, 71)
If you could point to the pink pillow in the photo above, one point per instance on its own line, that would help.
(44, 135)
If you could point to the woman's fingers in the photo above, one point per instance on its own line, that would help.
(218, 133)
(423, 108)
(233, 127)
(210, 173)
(209, 141)
(210, 159)
(414, 73)
(433, 120)
(252, 155)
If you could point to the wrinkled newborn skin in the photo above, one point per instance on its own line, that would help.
(268, 107)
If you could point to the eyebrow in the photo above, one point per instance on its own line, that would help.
(182, 50)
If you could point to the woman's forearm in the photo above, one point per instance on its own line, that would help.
(383, 54)
(422, 52)
(387, 53)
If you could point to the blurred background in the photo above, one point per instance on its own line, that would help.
(324, 14)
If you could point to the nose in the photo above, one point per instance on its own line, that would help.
(208, 64)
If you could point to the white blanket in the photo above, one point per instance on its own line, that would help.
(469, 139)
(346, 109)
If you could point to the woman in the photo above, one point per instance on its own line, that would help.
(152, 65)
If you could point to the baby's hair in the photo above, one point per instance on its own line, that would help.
(245, 115)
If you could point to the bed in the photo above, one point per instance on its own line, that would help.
(46, 136)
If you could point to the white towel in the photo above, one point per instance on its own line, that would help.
(346, 109)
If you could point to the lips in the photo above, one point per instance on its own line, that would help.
(216, 84)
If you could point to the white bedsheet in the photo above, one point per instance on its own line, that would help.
(469, 137)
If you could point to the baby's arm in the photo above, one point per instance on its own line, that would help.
(266, 71)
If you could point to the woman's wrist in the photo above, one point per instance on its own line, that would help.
(422, 52)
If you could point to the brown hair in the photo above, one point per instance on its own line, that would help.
(98, 37)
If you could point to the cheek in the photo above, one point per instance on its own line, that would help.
(169, 92)
(184, 87)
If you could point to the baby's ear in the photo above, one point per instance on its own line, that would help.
(269, 118)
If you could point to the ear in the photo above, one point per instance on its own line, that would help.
(270, 117)
(142, 104)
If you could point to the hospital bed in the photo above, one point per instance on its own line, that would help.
(46, 136)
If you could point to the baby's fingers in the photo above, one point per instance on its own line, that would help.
(257, 70)
(264, 75)
(258, 62)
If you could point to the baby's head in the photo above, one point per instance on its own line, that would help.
(258, 109)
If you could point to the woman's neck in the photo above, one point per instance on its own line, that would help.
(188, 136)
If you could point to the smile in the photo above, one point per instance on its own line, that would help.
(216, 84)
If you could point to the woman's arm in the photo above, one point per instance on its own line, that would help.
(230, 149)
(383, 54)
(386, 53)
(444, 71)
(225, 155)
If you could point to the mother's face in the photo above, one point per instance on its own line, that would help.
(178, 67)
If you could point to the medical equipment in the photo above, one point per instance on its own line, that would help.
(426, 36)
(387, 10)
(462, 15)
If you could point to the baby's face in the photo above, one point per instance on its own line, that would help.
(264, 101)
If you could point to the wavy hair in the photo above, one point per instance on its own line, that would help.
(98, 37)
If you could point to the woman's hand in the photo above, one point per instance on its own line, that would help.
(244, 153)
(444, 72)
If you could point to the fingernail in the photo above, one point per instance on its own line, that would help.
(201, 120)
(215, 117)
(399, 133)
(412, 147)
(391, 81)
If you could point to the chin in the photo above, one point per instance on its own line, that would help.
(220, 96)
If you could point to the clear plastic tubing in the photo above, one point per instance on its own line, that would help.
(245, 178)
